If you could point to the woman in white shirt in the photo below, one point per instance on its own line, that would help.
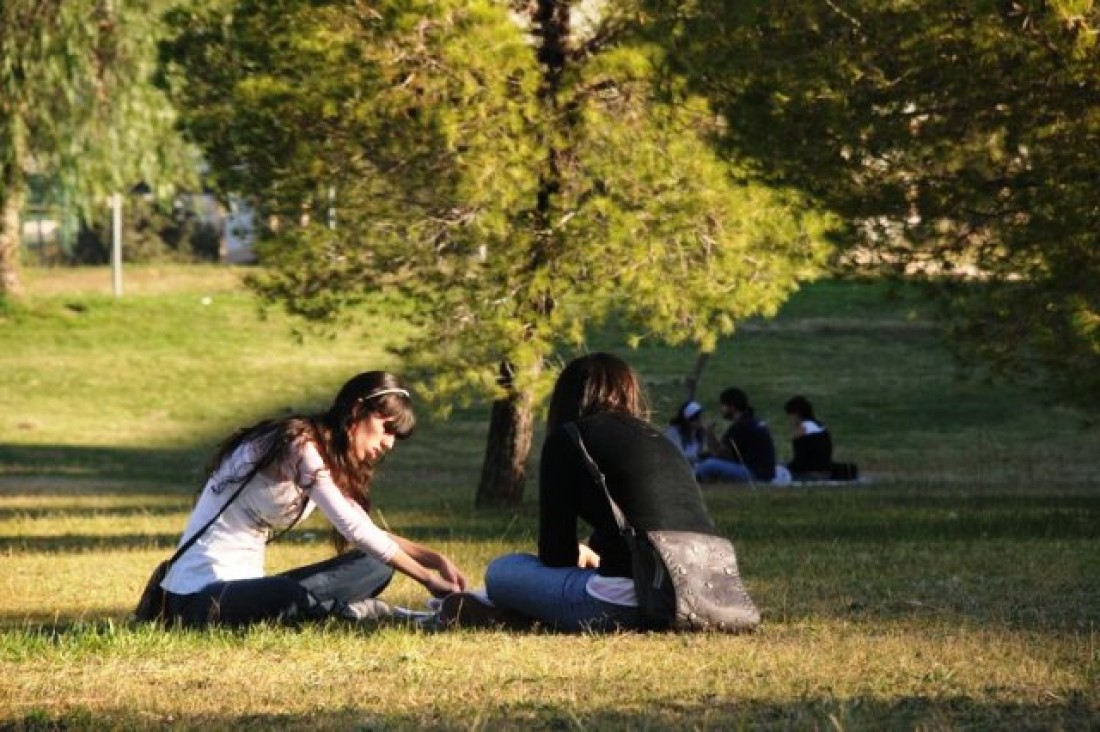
(266, 478)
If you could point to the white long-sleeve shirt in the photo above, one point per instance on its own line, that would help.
(233, 547)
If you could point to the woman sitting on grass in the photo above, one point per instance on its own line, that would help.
(687, 432)
(284, 468)
(570, 586)
(811, 444)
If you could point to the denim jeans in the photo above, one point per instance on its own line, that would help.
(713, 468)
(555, 596)
(313, 592)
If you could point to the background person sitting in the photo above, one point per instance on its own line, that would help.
(687, 432)
(811, 444)
(745, 453)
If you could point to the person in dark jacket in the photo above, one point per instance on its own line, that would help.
(745, 453)
(571, 586)
(811, 444)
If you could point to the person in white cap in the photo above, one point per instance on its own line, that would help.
(686, 430)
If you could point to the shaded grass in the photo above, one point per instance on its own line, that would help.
(959, 590)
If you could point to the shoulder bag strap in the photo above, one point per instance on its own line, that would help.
(597, 475)
(195, 537)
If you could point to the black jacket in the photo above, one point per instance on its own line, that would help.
(648, 477)
(752, 445)
(813, 453)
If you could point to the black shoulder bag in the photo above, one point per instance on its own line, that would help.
(152, 607)
(684, 580)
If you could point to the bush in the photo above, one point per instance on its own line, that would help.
(150, 234)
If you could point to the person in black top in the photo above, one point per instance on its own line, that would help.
(812, 445)
(572, 586)
(745, 452)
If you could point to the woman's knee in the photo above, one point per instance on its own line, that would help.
(510, 578)
(505, 567)
(349, 577)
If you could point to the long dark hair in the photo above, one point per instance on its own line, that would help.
(372, 392)
(598, 382)
(800, 406)
(737, 399)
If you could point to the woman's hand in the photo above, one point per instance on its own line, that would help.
(450, 572)
(586, 558)
(449, 578)
(440, 587)
(424, 566)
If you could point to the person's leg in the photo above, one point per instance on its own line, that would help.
(714, 468)
(242, 602)
(313, 592)
(556, 596)
(348, 577)
(473, 609)
(346, 585)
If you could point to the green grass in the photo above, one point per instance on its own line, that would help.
(960, 589)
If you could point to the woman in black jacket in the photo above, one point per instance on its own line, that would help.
(573, 586)
(811, 444)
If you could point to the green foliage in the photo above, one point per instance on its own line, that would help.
(76, 79)
(77, 100)
(655, 227)
(516, 208)
(953, 137)
(151, 232)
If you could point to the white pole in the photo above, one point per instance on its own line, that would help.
(332, 207)
(116, 244)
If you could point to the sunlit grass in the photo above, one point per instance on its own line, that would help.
(959, 589)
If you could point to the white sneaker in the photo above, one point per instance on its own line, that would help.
(369, 609)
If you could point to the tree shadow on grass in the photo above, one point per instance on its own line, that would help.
(811, 712)
(77, 511)
(145, 468)
(888, 516)
(74, 543)
(45, 469)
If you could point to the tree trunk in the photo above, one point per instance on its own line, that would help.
(504, 471)
(12, 197)
(692, 380)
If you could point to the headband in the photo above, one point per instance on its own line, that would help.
(384, 392)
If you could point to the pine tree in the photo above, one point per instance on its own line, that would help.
(513, 174)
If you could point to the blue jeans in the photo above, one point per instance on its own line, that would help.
(713, 468)
(313, 592)
(555, 596)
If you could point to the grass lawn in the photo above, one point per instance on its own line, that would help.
(959, 589)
